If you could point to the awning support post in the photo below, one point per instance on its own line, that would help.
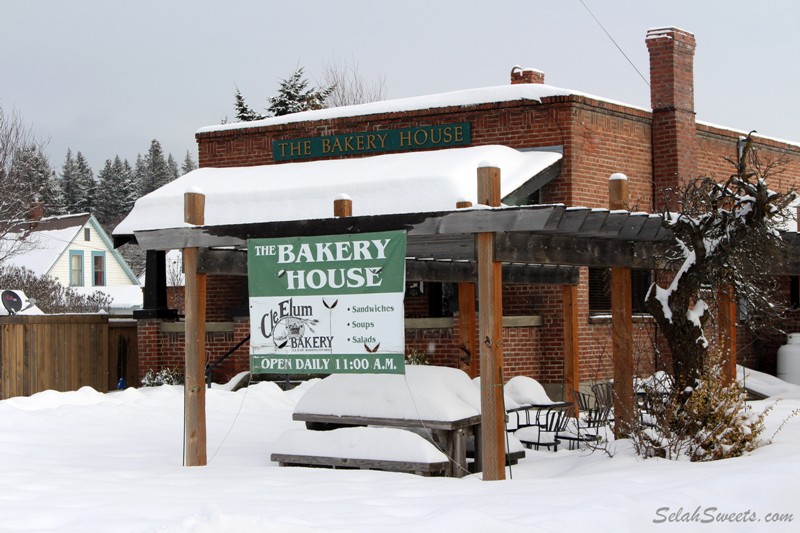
(466, 317)
(621, 322)
(195, 358)
(490, 337)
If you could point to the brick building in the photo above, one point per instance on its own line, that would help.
(593, 139)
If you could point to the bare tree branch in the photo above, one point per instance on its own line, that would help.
(349, 88)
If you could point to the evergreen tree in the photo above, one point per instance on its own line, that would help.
(37, 181)
(129, 189)
(107, 195)
(188, 164)
(173, 167)
(294, 95)
(154, 172)
(69, 185)
(244, 113)
(84, 178)
(51, 193)
(139, 174)
(116, 192)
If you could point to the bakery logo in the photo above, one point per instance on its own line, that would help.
(292, 327)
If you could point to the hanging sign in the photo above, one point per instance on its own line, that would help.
(325, 305)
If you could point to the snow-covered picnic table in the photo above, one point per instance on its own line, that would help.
(441, 403)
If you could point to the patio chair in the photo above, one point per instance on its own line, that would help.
(552, 422)
(523, 417)
(604, 396)
(587, 426)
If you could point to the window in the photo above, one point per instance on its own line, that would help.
(600, 290)
(87, 234)
(98, 269)
(76, 268)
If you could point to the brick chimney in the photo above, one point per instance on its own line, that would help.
(36, 211)
(526, 75)
(672, 99)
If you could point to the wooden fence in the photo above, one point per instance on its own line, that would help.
(64, 352)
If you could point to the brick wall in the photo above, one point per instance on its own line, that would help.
(160, 349)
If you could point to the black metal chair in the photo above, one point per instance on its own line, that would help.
(551, 423)
(586, 427)
(604, 396)
(604, 393)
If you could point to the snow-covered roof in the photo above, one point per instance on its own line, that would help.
(483, 95)
(385, 184)
(124, 298)
(48, 239)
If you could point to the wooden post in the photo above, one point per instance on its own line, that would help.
(727, 332)
(343, 206)
(621, 322)
(195, 362)
(490, 336)
(466, 316)
(572, 375)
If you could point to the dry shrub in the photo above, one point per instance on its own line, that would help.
(708, 422)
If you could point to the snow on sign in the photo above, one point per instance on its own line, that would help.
(326, 305)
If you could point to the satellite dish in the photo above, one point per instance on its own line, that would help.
(12, 302)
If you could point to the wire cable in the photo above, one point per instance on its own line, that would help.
(615, 43)
(235, 418)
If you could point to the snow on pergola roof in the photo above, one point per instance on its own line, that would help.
(385, 184)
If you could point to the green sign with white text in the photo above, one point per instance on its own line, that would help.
(439, 136)
(331, 304)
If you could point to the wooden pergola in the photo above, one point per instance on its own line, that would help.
(479, 247)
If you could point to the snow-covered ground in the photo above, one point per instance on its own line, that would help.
(85, 461)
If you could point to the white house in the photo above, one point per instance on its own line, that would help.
(76, 251)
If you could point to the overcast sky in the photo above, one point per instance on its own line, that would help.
(105, 77)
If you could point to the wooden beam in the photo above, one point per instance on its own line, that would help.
(234, 263)
(490, 338)
(622, 349)
(222, 262)
(343, 207)
(621, 323)
(448, 223)
(456, 272)
(195, 359)
(466, 326)
(578, 251)
(572, 377)
(466, 316)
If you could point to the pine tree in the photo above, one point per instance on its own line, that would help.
(154, 172)
(107, 195)
(129, 189)
(173, 167)
(294, 95)
(139, 173)
(244, 113)
(69, 185)
(84, 178)
(37, 181)
(116, 192)
(51, 192)
(188, 164)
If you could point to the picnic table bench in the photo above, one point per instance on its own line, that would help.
(362, 448)
(451, 436)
